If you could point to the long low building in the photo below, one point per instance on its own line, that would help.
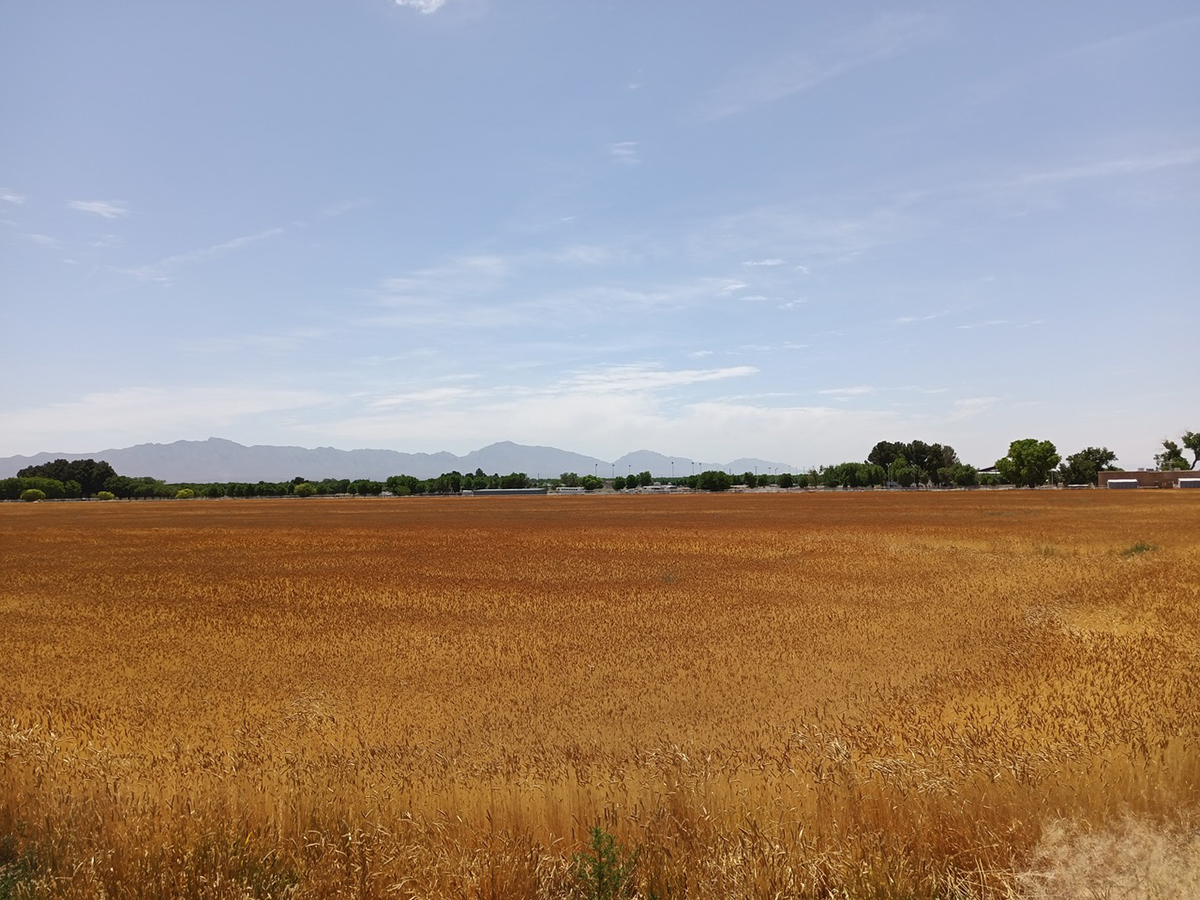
(1150, 479)
(505, 492)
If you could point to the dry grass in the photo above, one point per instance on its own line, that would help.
(767, 695)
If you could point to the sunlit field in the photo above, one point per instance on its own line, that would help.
(965, 694)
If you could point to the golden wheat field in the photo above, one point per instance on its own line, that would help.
(966, 694)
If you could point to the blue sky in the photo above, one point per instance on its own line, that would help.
(776, 229)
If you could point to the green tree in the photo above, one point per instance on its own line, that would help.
(1191, 440)
(89, 473)
(1172, 456)
(1029, 462)
(904, 474)
(1085, 466)
(569, 479)
(786, 480)
(32, 495)
(713, 480)
(105, 495)
(886, 452)
(184, 494)
(619, 483)
(12, 488)
(928, 460)
(139, 488)
(645, 479)
(304, 489)
(402, 485)
(590, 483)
(962, 475)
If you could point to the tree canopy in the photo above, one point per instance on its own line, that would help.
(927, 461)
(89, 474)
(1029, 462)
(713, 480)
(1172, 456)
(1085, 466)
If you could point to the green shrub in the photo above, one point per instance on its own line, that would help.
(32, 495)
(1138, 548)
(606, 872)
(105, 495)
(184, 494)
(304, 489)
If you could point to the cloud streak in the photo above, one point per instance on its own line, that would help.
(108, 209)
(424, 7)
(624, 153)
(888, 35)
(158, 271)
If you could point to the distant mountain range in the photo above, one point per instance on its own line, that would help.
(217, 459)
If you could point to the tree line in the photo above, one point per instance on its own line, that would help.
(1029, 463)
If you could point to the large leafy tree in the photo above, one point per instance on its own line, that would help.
(927, 461)
(1173, 457)
(713, 480)
(1191, 440)
(1085, 466)
(1029, 462)
(88, 473)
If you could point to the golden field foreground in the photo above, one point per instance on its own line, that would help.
(966, 694)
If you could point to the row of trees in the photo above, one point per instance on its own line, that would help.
(1028, 463)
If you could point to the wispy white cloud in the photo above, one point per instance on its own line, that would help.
(1114, 167)
(1092, 57)
(343, 207)
(260, 343)
(587, 255)
(108, 209)
(481, 292)
(624, 152)
(422, 6)
(888, 35)
(912, 320)
(159, 271)
(436, 395)
(970, 406)
(10, 197)
(845, 393)
(43, 240)
(638, 378)
(990, 323)
(764, 262)
(835, 236)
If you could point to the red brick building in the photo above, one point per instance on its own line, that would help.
(1150, 479)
